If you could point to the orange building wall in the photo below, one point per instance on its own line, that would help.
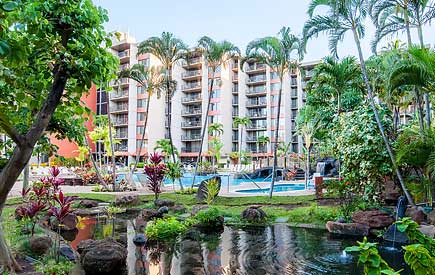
(69, 149)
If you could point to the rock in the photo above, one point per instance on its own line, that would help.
(373, 218)
(67, 252)
(122, 239)
(416, 214)
(254, 214)
(178, 208)
(69, 235)
(428, 230)
(352, 229)
(162, 202)
(88, 203)
(126, 199)
(149, 214)
(139, 240)
(341, 220)
(70, 222)
(102, 256)
(431, 217)
(163, 210)
(201, 194)
(395, 236)
(40, 245)
(197, 208)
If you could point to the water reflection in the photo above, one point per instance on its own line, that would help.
(276, 249)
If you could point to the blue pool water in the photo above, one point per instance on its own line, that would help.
(187, 178)
(276, 188)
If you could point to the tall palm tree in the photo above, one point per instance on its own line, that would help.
(215, 54)
(240, 123)
(152, 79)
(215, 129)
(262, 141)
(307, 130)
(282, 54)
(169, 50)
(343, 16)
(283, 150)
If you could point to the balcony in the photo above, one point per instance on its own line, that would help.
(190, 149)
(256, 127)
(191, 112)
(121, 135)
(119, 108)
(123, 82)
(123, 94)
(191, 137)
(256, 103)
(256, 91)
(189, 75)
(293, 82)
(294, 105)
(252, 139)
(294, 93)
(235, 78)
(235, 113)
(124, 56)
(235, 67)
(255, 68)
(120, 121)
(191, 99)
(235, 101)
(195, 86)
(121, 148)
(192, 63)
(235, 138)
(256, 80)
(124, 67)
(235, 90)
(191, 124)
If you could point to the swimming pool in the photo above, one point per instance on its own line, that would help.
(226, 179)
(276, 188)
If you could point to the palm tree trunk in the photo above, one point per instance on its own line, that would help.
(169, 104)
(378, 120)
(307, 168)
(419, 109)
(275, 146)
(109, 119)
(94, 164)
(240, 146)
(143, 136)
(204, 126)
(426, 94)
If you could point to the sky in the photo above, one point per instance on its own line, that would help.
(239, 21)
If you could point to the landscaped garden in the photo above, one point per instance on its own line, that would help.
(371, 116)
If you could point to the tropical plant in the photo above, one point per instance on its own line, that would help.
(155, 170)
(215, 150)
(241, 123)
(164, 229)
(174, 171)
(152, 79)
(343, 16)
(212, 190)
(281, 54)
(215, 129)
(210, 217)
(215, 54)
(262, 141)
(284, 149)
(165, 147)
(169, 50)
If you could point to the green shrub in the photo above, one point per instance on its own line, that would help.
(165, 229)
(140, 165)
(187, 191)
(209, 217)
(50, 266)
(212, 191)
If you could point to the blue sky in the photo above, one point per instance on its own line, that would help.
(238, 21)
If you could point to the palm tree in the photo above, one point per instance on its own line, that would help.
(169, 50)
(152, 79)
(216, 146)
(216, 129)
(262, 141)
(283, 150)
(343, 16)
(307, 130)
(164, 146)
(215, 54)
(278, 54)
(240, 123)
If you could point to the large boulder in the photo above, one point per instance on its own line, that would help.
(163, 202)
(40, 245)
(201, 194)
(254, 214)
(88, 203)
(69, 223)
(127, 199)
(178, 208)
(67, 252)
(416, 214)
(102, 256)
(428, 230)
(352, 229)
(395, 236)
(197, 208)
(373, 218)
(149, 214)
(431, 217)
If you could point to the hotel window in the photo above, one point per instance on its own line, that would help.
(141, 90)
(215, 93)
(214, 106)
(141, 103)
(144, 146)
(275, 86)
(139, 130)
(140, 116)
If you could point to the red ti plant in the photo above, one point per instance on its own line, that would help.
(31, 212)
(155, 170)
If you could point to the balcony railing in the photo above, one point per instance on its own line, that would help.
(191, 137)
(294, 105)
(121, 148)
(235, 90)
(189, 149)
(235, 138)
(122, 81)
(187, 124)
(235, 113)
(256, 102)
(256, 91)
(235, 101)
(123, 54)
(235, 77)
(256, 79)
(255, 67)
(191, 112)
(192, 61)
(121, 135)
(294, 82)
(118, 94)
(257, 114)
(120, 121)
(257, 126)
(191, 73)
(191, 99)
(191, 86)
(119, 108)
(294, 93)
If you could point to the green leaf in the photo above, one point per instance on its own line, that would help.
(9, 6)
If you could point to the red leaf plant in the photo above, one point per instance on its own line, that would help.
(155, 170)
(31, 212)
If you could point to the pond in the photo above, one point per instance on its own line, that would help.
(276, 249)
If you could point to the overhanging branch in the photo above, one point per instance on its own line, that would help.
(10, 130)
